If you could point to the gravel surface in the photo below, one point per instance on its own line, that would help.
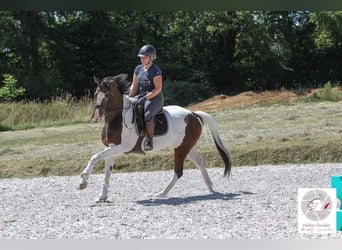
(255, 203)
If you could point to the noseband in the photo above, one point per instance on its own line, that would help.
(108, 108)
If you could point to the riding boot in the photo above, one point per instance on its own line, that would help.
(149, 130)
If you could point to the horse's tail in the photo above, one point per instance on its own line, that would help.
(209, 121)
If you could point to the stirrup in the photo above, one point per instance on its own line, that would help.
(148, 145)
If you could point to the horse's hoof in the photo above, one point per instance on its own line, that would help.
(84, 182)
(101, 199)
(160, 195)
(82, 185)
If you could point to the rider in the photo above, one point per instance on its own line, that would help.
(148, 78)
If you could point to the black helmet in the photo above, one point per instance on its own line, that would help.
(148, 50)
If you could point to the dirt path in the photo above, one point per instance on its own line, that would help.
(256, 203)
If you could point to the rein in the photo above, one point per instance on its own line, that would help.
(108, 110)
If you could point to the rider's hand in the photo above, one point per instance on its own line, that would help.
(141, 99)
(133, 99)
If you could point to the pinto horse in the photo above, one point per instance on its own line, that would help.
(120, 134)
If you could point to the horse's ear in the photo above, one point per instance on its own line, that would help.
(124, 76)
(97, 80)
(121, 77)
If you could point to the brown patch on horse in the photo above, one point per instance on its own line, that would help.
(111, 132)
(193, 131)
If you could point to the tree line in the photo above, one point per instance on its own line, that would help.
(49, 53)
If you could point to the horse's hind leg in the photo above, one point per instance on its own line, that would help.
(179, 156)
(193, 131)
(168, 187)
(198, 161)
(109, 163)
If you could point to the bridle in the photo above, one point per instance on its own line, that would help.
(108, 108)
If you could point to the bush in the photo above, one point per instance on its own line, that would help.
(184, 93)
(325, 94)
(9, 91)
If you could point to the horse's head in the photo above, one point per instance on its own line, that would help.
(108, 95)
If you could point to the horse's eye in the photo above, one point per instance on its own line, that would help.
(104, 84)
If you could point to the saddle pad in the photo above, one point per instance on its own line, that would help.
(161, 125)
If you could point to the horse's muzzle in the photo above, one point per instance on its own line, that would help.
(96, 116)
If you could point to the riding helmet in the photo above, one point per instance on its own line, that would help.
(148, 50)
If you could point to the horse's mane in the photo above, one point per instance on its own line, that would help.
(121, 81)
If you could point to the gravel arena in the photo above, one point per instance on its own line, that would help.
(254, 203)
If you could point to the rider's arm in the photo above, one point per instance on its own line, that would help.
(158, 83)
(134, 86)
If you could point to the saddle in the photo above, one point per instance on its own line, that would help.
(160, 122)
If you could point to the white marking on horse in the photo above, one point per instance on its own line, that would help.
(185, 128)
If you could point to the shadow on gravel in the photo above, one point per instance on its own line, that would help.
(186, 200)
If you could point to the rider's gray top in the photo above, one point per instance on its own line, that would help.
(145, 78)
(146, 84)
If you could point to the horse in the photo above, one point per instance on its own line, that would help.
(181, 129)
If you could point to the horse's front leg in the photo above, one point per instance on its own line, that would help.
(109, 163)
(108, 152)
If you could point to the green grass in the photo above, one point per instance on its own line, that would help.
(327, 93)
(298, 133)
(58, 112)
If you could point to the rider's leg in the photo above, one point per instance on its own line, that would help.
(151, 109)
(149, 129)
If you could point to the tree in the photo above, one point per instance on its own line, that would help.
(328, 45)
(53, 52)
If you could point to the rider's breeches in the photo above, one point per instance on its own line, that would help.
(152, 107)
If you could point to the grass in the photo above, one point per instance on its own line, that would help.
(298, 132)
(58, 112)
(327, 93)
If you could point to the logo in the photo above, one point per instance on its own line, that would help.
(317, 210)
